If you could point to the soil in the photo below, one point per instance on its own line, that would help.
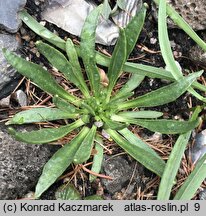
(147, 53)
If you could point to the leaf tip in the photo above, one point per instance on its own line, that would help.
(8, 123)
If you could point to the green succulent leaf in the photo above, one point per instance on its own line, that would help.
(74, 61)
(166, 48)
(122, 4)
(41, 30)
(125, 44)
(40, 115)
(64, 105)
(132, 138)
(67, 192)
(145, 157)
(59, 162)
(133, 29)
(183, 25)
(117, 61)
(134, 81)
(172, 167)
(87, 49)
(45, 135)
(97, 159)
(166, 126)
(145, 70)
(173, 163)
(59, 61)
(38, 75)
(162, 95)
(114, 125)
(193, 182)
(106, 10)
(84, 151)
(140, 114)
(121, 98)
(103, 60)
(165, 42)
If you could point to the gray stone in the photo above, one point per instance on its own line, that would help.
(199, 147)
(21, 97)
(202, 195)
(193, 11)
(119, 169)
(7, 73)
(9, 20)
(70, 15)
(20, 165)
(125, 16)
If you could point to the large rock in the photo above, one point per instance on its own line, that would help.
(70, 15)
(121, 171)
(9, 20)
(193, 11)
(8, 76)
(20, 165)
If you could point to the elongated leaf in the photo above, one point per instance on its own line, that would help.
(128, 135)
(145, 70)
(172, 167)
(73, 59)
(165, 42)
(183, 25)
(197, 95)
(45, 135)
(166, 48)
(67, 192)
(58, 60)
(58, 163)
(113, 125)
(87, 49)
(38, 75)
(41, 30)
(162, 95)
(121, 98)
(64, 105)
(141, 114)
(166, 126)
(106, 10)
(103, 60)
(84, 151)
(193, 182)
(40, 115)
(149, 160)
(133, 29)
(173, 163)
(134, 81)
(97, 159)
(117, 61)
(122, 4)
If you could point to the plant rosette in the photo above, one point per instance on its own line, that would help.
(99, 110)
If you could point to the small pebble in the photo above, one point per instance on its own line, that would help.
(199, 147)
(5, 102)
(153, 40)
(21, 98)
